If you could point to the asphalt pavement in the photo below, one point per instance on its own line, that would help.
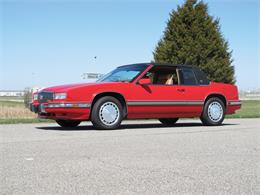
(143, 157)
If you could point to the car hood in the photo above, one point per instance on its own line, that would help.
(65, 88)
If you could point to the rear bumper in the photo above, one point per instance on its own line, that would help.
(232, 106)
(234, 103)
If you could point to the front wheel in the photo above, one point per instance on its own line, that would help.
(213, 112)
(107, 113)
(168, 121)
(68, 123)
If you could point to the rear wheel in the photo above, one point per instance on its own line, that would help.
(107, 113)
(168, 121)
(68, 123)
(214, 112)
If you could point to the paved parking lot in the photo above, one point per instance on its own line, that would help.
(143, 157)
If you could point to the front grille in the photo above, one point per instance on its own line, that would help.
(45, 96)
(34, 108)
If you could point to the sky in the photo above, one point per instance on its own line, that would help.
(53, 42)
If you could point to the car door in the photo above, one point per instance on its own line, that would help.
(159, 99)
(193, 88)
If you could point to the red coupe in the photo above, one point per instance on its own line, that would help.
(139, 91)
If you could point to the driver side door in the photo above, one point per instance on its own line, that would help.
(164, 96)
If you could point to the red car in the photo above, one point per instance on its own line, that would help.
(139, 91)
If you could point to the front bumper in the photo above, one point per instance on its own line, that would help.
(64, 110)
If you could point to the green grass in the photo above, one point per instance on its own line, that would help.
(249, 109)
(11, 103)
(24, 121)
(7, 98)
(13, 112)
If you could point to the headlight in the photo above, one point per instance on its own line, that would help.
(35, 96)
(60, 96)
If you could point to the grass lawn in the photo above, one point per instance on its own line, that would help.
(24, 120)
(250, 109)
(7, 98)
(12, 112)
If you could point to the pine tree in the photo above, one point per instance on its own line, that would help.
(193, 37)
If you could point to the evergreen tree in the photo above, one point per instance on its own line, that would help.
(193, 37)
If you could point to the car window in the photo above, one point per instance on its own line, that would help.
(188, 77)
(163, 75)
(123, 74)
(201, 77)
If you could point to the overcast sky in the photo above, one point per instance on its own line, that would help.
(44, 43)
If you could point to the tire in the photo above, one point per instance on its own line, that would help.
(168, 121)
(213, 112)
(107, 113)
(68, 123)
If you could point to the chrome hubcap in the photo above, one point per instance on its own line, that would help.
(215, 111)
(109, 113)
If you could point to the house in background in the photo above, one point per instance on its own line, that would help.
(11, 93)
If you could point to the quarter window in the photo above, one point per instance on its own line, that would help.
(201, 77)
(188, 77)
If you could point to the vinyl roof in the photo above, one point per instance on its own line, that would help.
(159, 64)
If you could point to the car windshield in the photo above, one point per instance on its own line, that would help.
(123, 74)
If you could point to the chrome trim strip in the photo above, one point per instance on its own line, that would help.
(68, 105)
(234, 103)
(165, 103)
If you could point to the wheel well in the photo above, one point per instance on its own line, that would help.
(221, 97)
(115, 95)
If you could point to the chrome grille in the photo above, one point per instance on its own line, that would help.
(45, 96)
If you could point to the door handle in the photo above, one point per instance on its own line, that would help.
(181, 90)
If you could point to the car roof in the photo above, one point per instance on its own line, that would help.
(159, 64)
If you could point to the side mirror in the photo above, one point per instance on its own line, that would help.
(144, 81)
